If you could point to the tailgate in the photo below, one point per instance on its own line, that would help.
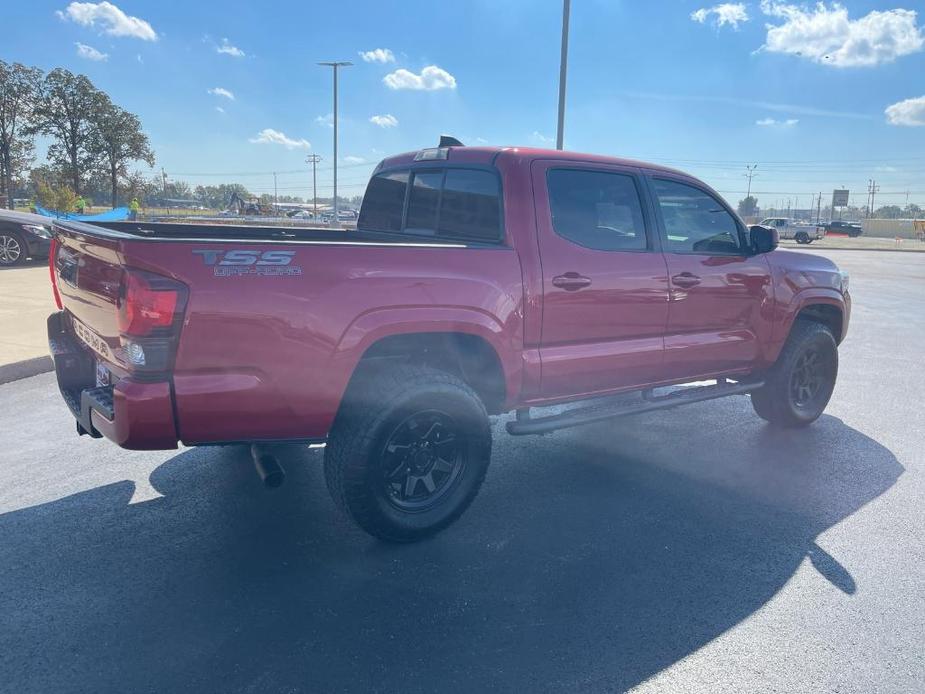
(88, 273)
(128, 317)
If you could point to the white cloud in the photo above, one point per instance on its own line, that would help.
(774, 123)
(729, 13)
(221, 91)
(228, 49)
(541, 138)
(907, 112)
(268, 136)
(326, 120)
(386, 120)
(89, 52)
(354, 160)
(824, 34)
(109, 19)
(219, 109)
(431, 78)
(378, 55)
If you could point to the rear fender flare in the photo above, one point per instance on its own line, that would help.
(375, 325)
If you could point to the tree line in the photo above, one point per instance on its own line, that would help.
(91, 138)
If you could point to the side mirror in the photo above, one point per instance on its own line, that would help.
(764, 239)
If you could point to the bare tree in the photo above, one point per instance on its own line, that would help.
(67, 111)
(19, 87)
(120, 141)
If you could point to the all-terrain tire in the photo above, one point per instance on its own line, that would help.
(380, 432)
(799, 385)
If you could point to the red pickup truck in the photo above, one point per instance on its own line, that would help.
(480, 281)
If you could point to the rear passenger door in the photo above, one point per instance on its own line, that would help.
(721, 294)
(605, 285)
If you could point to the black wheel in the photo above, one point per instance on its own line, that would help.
(799, 385)
(802, 237)
(12, 248)
(408, 451)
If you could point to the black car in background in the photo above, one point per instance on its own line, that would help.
(22, 236)
(852, 229)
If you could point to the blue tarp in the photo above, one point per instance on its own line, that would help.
(118, 214)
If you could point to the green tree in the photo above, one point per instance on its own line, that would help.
(888, 212)
(912, 210)
(748, 207)
(19, 89)
(67, 111)
(119, 140)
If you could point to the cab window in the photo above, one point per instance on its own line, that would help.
(596, 209)
(694, 221)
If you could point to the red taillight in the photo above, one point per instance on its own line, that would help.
(52, 252)
(148, 302)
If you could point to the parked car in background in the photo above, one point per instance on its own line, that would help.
(852, 229)
(22, 236)
(789, 229)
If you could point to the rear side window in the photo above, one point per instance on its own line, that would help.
(471, 205)
(384, 202)
(596, 209)
(462, 204)
(695, 221)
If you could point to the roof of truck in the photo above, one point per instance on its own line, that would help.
(488, 155)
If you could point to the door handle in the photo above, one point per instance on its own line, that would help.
(571, 281)
(685, 279)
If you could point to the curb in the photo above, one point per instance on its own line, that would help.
(874, 250)
(26, 368)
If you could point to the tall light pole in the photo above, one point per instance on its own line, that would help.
(563, 69)
(313, 159)
(335, 65)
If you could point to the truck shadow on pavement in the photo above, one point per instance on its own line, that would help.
(592, 559)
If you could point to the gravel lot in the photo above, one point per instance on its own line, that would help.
(693, 550)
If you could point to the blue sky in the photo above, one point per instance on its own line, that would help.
(801, 90)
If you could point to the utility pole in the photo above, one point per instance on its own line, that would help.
(872, 190)
(335, 65)
(164, 188)
(275, 195)
(313, 159)
(563, 69)
(751, 173)
(819, 208)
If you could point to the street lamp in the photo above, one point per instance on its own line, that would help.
(563, 68)
(335, 65)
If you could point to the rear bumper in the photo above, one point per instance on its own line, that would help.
(132, 414)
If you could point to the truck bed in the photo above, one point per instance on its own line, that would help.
(188, 231)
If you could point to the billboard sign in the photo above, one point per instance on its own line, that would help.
(839, 198)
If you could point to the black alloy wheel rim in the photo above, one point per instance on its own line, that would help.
(422, 459)
(810, 378)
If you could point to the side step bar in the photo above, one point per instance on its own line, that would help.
(525, 425)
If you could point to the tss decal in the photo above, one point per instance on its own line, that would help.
(238, 262)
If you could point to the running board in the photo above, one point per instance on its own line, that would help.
(525, 425)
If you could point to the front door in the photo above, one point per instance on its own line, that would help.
(721, 295)
(605, 285)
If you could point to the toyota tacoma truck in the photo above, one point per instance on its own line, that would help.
(565, 288)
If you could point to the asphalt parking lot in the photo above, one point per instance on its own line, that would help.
(692, 550)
